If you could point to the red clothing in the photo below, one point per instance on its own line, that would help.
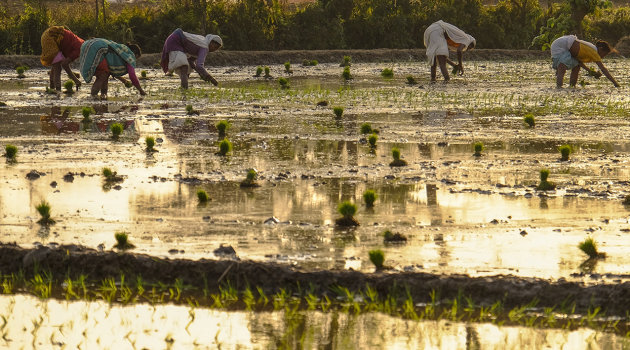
(70, 45)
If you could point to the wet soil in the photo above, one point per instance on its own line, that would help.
(72, 261)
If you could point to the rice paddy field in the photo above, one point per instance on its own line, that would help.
(477, 216)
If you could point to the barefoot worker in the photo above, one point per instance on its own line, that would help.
(102, 58)
(60, 47)
(569, 52)
(439, 38)
(183, 51)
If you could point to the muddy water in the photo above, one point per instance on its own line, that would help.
(461, 213)
(30, 322)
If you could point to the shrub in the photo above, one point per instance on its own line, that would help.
(529, 120)
(389, 237)
(250, 179)
(366, 128)
(478, 146)
(107, 173)
(377, 257)
(122, 241)
(387, 73)
(544, 175)
(190, 110)
(202, 196)
(116, 129)
(150, 141)
(11, 151)
(372, 140)
(544, 184)
(565, 150)
(20, 71)
(222, 127)
(346, 73)
(369, 196)
(310, 62)
(68, 85)
(338, 111)
(224, 147)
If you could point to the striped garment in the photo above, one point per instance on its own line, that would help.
(117, 55)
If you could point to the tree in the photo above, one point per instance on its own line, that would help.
(582, 8)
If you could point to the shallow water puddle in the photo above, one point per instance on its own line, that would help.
(30, 322)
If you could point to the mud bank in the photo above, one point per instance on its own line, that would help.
(238, 58)
(73, 261)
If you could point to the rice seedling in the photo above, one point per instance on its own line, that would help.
(259, 71)
(544, 184)
(478, 146)
(267, 72)
(284, 83)
(346, 73)
(565, 151)
(222, 127)
(338, 111)
(369, 197)
(143, 74)
(68, 85)
(86, 112)
(347, 210)
(411, 80)
(224, 147)
(202, 196)
(389, 237)
(248, 299)
(122, 241)
(44, 210)
(377, 257)
(116, 129)
(111, 176)
(372, 140)
(40, 285)
(7, 286)
(589, 247)
(387, 73)
(396, 156)
(190, 110)
(263, 299)
(345, 62)
(366, 128)
(287, 67)
(10, 152)
(310, 63)
(250, 179)
(150, 142)
(529, 120)
(20, 71)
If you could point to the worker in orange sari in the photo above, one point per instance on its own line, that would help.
(60, 47)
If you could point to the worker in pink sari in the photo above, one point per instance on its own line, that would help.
(60, 47)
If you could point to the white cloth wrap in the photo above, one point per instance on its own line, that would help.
(435, 42)
(177, 59)
(203, 41)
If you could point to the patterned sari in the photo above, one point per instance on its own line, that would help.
(117, 55)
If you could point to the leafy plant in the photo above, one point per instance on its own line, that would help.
(222, 127)
(11, 152)
(190, 110)
(224, 147)
(68, 85)
(202, 196)
(372, 140)
(369, 197)
(478, 146)
(387, 73)
(338, 111)
(284, 83)
(411, 80)
(122, 241)
(396, 156)
(565, 151)
(366, 128)
(150, 141)
(377, 257)
(346, 73)
(44, 210)
(116, 129)
(589, 247)
(111, 176)
(529, 120)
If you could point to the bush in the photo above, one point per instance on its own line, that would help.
(589, 247)
(372, 140)
(478, 146)
(222, 126)
(122, 241)
(150, 141)
(346, 73)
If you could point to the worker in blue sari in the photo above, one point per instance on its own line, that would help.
(101, 58)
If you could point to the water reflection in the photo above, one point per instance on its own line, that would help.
(30, 322)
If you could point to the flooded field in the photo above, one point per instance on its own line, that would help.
(462, 214)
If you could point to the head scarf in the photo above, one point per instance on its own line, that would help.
(202, 41)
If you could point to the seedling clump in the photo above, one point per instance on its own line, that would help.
(411, 80)
(259, 71)
(387, 73)
(43, 208)
(369, 196)
(397, 161)
(11, 152)
(338, 111)
(250, 179)
(267, 72)
(346, 73)
(86, 111)
(202, 196)
(589, 247)
(284, 83)
(529, 120)
(544, 184)
(372, 140)
(345, 62)
(222, 127)
(143, 74)
(117, 129)
(565, 150)
(111, 176)
(150, 141)
(377, 257)
(68, 85)
(310, 62)
(478, 148)
(190, 110)
(224, 147)
(122, 241)
(389, 237)
(287, 67)
(366, 128)
(20, 71)
(347, 209)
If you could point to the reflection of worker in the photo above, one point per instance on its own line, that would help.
(183, 51)
(569, 52)
(60, 47)
(102, 58)
(439, 38)
(58, 122)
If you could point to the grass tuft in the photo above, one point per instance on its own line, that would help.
(116, 129)
(11, 152)
(122, 241)
(387, 73)
(369, 197)
(202, 196)
(565, 151)
(377, 257)
(589, 247)
(338, 111)
(225, 146)
(529, 120)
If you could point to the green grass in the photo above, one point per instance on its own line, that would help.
(387, 73)
(372, 140)
(347, 209)
(20, 71)
(369, 197)
(86, 112)
(287, 67)
(529, 120)
(202, 196)
(259, 71)
(565, 151)
(150, 142)
(267, 72)
(222, 127)
(478, 147)
(377, 257)
(338, 111)
(366, 128)
(143, 74)
(68, 85)
(44, 210)
(284, 83)
(589, 247)
(310, 62)
(544, 184)
(411, 80)
(225, 146)
(122, 241)
(346, 61)
(116, 129)
(10, 151)
(346, 73)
